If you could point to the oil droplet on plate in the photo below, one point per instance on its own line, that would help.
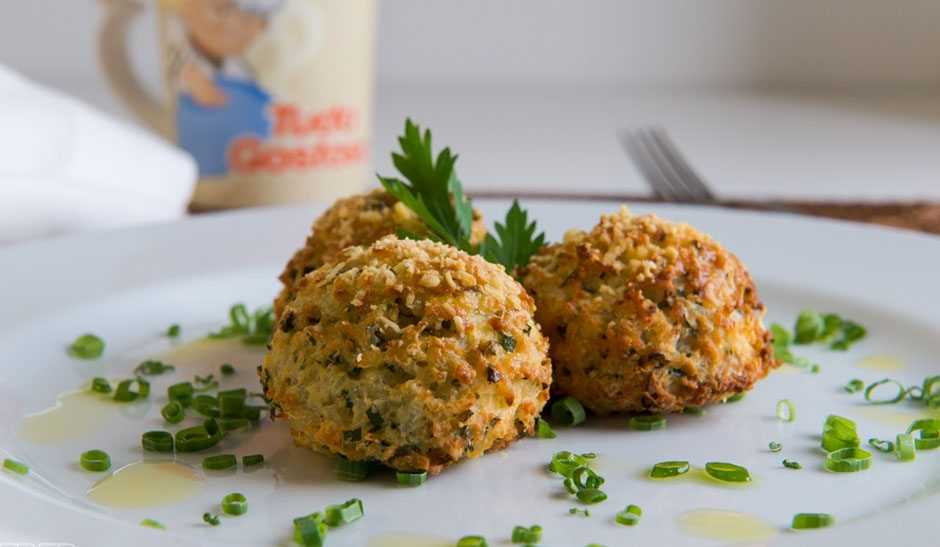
(700, 476)
(147, 484)
(76, 415)
(898, 418)
(210, 351)
(881, 362)
(398, 539)
(723, 525)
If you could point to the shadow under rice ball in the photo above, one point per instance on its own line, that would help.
(409, 353)
(648, 315)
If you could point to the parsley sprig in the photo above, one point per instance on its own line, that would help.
(432, 190)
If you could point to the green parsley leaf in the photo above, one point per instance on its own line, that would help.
(517, 240)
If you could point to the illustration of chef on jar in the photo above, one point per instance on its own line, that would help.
(217, 96)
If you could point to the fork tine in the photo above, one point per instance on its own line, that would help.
(676, 189)
(638, 149)
(694, 186)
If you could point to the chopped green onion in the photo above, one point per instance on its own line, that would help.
(157, 441)
(916, 393)
(929, 433)
(933, 402)
(904, 449)
(931, 387)
(210, 519)
(848, 460)
(727, 472)
(693, 410)
(207, 405)
(585, 477)
(200, 437)
(219, 462)
(669, 469)
(591, 495)
(227, 369)
(854, 386)
(564, 463)
(173, 331)
(786, 411)
(234, 504)
(95, 460)
(589, 455)
(253, 412)
(570, 486)
(252, 459)
(411, 478)
(152, 368)
(735, 397)
(543, 430)
(528, 536)
(181, 392)
(124, 392)
(351, 470)
(568, 411)
(231, 405)
(814, 369)
(806, 521)
(343, 514)
(100, 385)
(152, 524)
(472, 541)
(839, 433)
(790, 464)
(575, 511)
(649, 422)
(884, 446)
(87, 346)
(173, 412)
(14, 466)
(901, 394)
(775, 446)
(310, 530)
(630, 516)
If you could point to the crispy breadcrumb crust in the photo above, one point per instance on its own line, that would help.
(645, 314)
(410, 353)
(356, 220)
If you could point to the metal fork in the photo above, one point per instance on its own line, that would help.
(664, 167)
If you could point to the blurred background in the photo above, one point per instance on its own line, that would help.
(818, 103)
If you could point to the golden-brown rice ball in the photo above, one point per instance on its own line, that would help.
(356, 220)
(645, 314)
(410, 353)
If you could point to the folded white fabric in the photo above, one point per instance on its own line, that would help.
(66, 167)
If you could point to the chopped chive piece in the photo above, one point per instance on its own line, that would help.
(585, 477)
(411, 478)
(227, 369)
(472, 541)
(806, 521)
(838, 433)
(210, 519)
(100, 385)
(735, 397)
(207, 405)
(343, 514)
(591, 495)
(253, 329)
(564, 463)
(568, 411)
(375, 417)
(575, 511)
(173, 331)
(14, 466)
(528, 536)
(219, 462)
(234, 504)
(589, 455)
(929, 433)
(693, 410)
(814, 369)
(125, 392)
(152, 524)
(181, 392)
(152, 368)
(508, 342)
(173, 412)
(649, 422)
(350, 470)
(790, 464)
(854, 386)
(570, 486)
(881, 445)
(630, 516)
(87, 346)
(95, 460)
(310, 530)
(157, 441)
(904, 449)
(543, 430)
(933, 403)
(727, 472)
(869, 392)
(669, 469)
(848, 460)
(231, 403)
(253, 413)
(252, 459)
(775, 446)
(200, 437)
(809, 327)
(786, 411)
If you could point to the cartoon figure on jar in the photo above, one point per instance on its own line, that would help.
(217, 96)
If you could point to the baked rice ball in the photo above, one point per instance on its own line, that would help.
(356, 220)
(410, 353)
(648, 315)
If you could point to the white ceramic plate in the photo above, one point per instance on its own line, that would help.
(128, 286)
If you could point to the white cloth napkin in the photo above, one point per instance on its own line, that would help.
(66, 167)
